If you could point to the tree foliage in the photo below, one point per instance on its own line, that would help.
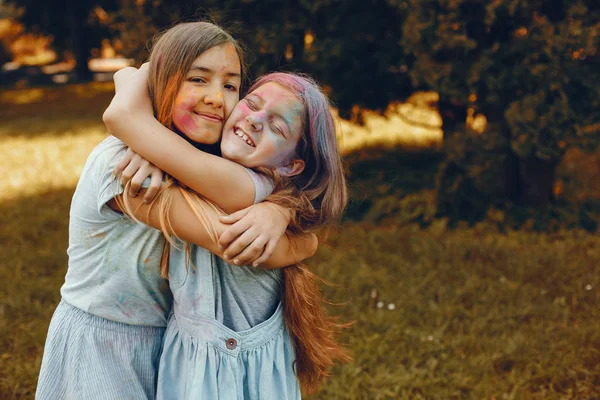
(72, 24)
(351, 47)
(531, 67)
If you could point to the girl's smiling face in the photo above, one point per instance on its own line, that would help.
(264, 129)
(208, 94)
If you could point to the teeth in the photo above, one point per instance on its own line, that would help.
(244, 137)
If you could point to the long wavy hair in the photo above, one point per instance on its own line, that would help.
(317, 197)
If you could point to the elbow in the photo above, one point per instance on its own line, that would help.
(110, 118)
(116, 118)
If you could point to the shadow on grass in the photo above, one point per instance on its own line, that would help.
(398, 185)
(379, 177)
(53, 110)
(33, 244)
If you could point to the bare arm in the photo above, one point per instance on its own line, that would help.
(130, 118)
(187, 226)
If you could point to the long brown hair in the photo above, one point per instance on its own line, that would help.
(317, 198)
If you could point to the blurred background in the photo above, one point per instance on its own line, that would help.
(470, 128)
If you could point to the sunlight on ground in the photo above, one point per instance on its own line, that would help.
(61, 137)
(37, 95)
(409, 125)
(40, 164)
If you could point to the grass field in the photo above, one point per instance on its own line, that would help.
(467, 313)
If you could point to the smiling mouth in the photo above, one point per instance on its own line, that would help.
(209, 117)
(244, 137)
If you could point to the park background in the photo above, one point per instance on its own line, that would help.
(467, 257)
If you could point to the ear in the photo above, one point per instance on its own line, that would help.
(294, 167)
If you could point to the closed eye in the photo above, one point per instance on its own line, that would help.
(251, 105)
(198, 80)
(277, 129)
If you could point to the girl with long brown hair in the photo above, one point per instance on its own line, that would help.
(105, 337)
(235, 338)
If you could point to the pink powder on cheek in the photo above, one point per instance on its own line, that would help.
(184, 122)
(244, 106)
(185, 102)
(275, 153)
(241, 111)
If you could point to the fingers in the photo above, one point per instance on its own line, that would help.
(234, 231)
(234, 217)
(155, 182)
(123, 162)
(138, 178)
(129, 171)
(122, 76)
(135, 173)
(144, 70)
(252, 252)
(239, 244)
(134, 169)
(266, 254)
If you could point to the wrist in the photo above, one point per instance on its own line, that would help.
(284, 211)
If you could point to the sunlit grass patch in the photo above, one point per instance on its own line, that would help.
(44, 163)
(410, 125)
(22, 109)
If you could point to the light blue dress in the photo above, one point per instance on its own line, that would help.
(105, 337)
(226, 337)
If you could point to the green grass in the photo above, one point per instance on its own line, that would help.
(478, 313)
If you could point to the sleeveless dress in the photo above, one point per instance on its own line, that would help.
(226, 337)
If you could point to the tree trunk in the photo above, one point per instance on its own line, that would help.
(77, 11)
(454, 117)
(536, 181)
(298, 48)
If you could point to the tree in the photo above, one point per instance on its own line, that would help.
(530, 67)
(9, 29)
(357, 52)
(70, 23)
(351, 47)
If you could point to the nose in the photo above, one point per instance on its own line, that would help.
(214, 97)
(256, 120)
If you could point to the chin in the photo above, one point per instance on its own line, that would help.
(233, 154)
(203, 137)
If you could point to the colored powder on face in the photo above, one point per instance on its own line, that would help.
(293, 114)
(184, 104)
(231, 58)
(185, 122)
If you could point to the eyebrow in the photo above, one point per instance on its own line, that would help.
(210, 71)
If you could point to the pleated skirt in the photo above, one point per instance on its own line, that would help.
(89, 357)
